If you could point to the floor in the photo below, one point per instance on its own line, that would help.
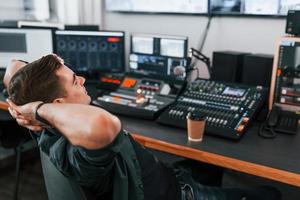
(32, 182)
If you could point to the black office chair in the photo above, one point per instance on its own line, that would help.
(13, 136)
(58, 186)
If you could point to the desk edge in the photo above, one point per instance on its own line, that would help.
(219, 160)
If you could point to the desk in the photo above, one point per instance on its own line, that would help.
(3, 104)
(276, 159)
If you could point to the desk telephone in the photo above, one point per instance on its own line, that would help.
(280, 121)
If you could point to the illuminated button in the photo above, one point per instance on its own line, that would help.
(245, 120)
(128, 83)
(283, 91)
(240, 128)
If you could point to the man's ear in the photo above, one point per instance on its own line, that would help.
(59, 100)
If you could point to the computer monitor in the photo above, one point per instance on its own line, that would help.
(285, 86)
(90, 53)
(158, 55)
(286, 5)
(253, 7)
(226, 6)
(156, 6)
(24, 44)
(261, 7)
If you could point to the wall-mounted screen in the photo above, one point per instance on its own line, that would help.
(214, 7)
(286, 5)
(253, 7)
(225, 6)
(159, 6)
(261, 7)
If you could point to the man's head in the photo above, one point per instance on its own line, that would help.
(49, 80)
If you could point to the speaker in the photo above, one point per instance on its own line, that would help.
(293, 22)
(227, 66)
(257, 70)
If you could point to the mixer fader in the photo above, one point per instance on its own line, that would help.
(142, 97)
(228, 107)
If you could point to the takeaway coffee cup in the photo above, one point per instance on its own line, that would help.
(195, 126)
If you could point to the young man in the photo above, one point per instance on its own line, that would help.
(88, 144)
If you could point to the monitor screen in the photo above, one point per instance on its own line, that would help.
(90, 53)
(285, 87)
(158, 55)
(261, 7)
(24, 44)
(253, 7)
(226, 6)
(158, 6)
(286, 5)
(13, 42)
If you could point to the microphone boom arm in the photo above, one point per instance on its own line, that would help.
(200, 56)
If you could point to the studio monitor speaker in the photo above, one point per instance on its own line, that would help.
(257, 70)
(227, 66)
(293, 22)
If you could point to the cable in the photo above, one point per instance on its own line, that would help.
(266, 131)
(197, 53)
(198, 73)
(205, 33)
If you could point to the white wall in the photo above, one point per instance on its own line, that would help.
(247, 34)
(12, 10)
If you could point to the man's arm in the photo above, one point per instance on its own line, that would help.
(83, 125)
(13, 67)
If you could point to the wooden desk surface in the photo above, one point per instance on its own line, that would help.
(3, 104)
(276, 159)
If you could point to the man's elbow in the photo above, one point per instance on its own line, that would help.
(105, 129)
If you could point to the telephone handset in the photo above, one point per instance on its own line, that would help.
(273, 116)
(279, 121)
(267, 128)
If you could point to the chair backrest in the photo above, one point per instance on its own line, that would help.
(58, 186)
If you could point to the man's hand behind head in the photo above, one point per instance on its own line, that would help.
(13, 67)
(25, 115)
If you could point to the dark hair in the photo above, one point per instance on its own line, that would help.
(37, 81)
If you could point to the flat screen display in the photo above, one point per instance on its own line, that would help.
(253, 7)
(158, 55)
(91, 52)
(226, 6)
(261, 7)
(13, 42)
(159, 6)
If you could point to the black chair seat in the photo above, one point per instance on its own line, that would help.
(13, 136)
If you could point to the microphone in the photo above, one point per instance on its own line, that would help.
(179, 71)
(182, 71)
